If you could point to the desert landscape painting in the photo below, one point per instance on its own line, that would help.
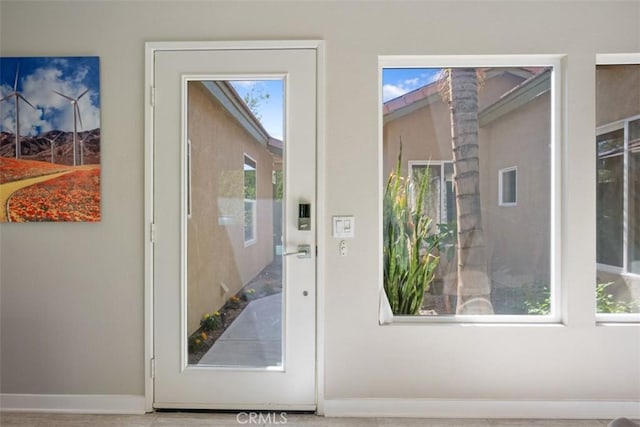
(50, 139)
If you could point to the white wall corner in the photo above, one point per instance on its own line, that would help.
(73, 403)
(477, 408)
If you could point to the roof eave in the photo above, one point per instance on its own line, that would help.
(230, 100)
(516, 98)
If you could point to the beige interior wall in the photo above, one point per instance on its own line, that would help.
(72, 295)
(216, 249)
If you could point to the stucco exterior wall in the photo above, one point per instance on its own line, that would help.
(425, 135)
(216, 250)
(518, 237)
(426, 132)
(617, 94)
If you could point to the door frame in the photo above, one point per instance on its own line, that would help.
(149, 234)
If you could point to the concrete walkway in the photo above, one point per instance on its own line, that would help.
(253, 340)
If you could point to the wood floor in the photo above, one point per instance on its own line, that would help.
(175, 419)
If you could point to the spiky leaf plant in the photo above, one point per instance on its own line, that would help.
(409, 263)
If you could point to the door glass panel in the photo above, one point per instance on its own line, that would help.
(234, 229)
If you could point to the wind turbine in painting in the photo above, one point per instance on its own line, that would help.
(52, 142)
(17, 97)
(76, 118)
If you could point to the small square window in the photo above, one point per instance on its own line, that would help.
(508, 186)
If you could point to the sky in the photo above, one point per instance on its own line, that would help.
(270, 110)
(395, 82)
(398, 81)
(38, 77)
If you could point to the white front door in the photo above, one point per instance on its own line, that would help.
(234, 140)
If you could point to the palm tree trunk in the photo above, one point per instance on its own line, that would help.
(474, 288)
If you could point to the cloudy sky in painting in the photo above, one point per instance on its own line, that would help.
(38, 78)
(398, 81)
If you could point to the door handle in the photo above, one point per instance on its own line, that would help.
(304, 251)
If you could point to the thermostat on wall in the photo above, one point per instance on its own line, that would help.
(343, 226)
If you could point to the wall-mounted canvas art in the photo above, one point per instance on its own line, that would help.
(50, 139)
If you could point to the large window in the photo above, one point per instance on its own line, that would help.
(250, 201)
(618, 191)
(451, 251)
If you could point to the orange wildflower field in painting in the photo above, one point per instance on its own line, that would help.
(74, 196)
(14, 170)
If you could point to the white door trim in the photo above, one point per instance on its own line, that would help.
(150, 49)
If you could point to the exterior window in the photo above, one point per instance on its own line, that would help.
(507, 186)
(610, 195)
(618, 192)
(451, 252)
(250, 201)
(440, 204)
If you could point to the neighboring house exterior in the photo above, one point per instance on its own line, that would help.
(515, 174)
(618, 169)
(231, 229)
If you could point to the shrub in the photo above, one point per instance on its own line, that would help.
(605, 302)
(234, 302)
(195, 342)
(212, 321)
(409, 262)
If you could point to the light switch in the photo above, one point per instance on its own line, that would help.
(343, 226)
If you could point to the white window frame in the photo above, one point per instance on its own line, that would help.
(254, 203)
(443, 183)
(501, 173)
(558, 313)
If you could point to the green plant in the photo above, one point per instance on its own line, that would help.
(234, 302)
(606, 302)
(195, 342)
(537, 299)
(409, 262)
(212, 321)
(540, 302)
(445, 240)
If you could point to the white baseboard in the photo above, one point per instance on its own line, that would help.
(442, 408)
(73, 403)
